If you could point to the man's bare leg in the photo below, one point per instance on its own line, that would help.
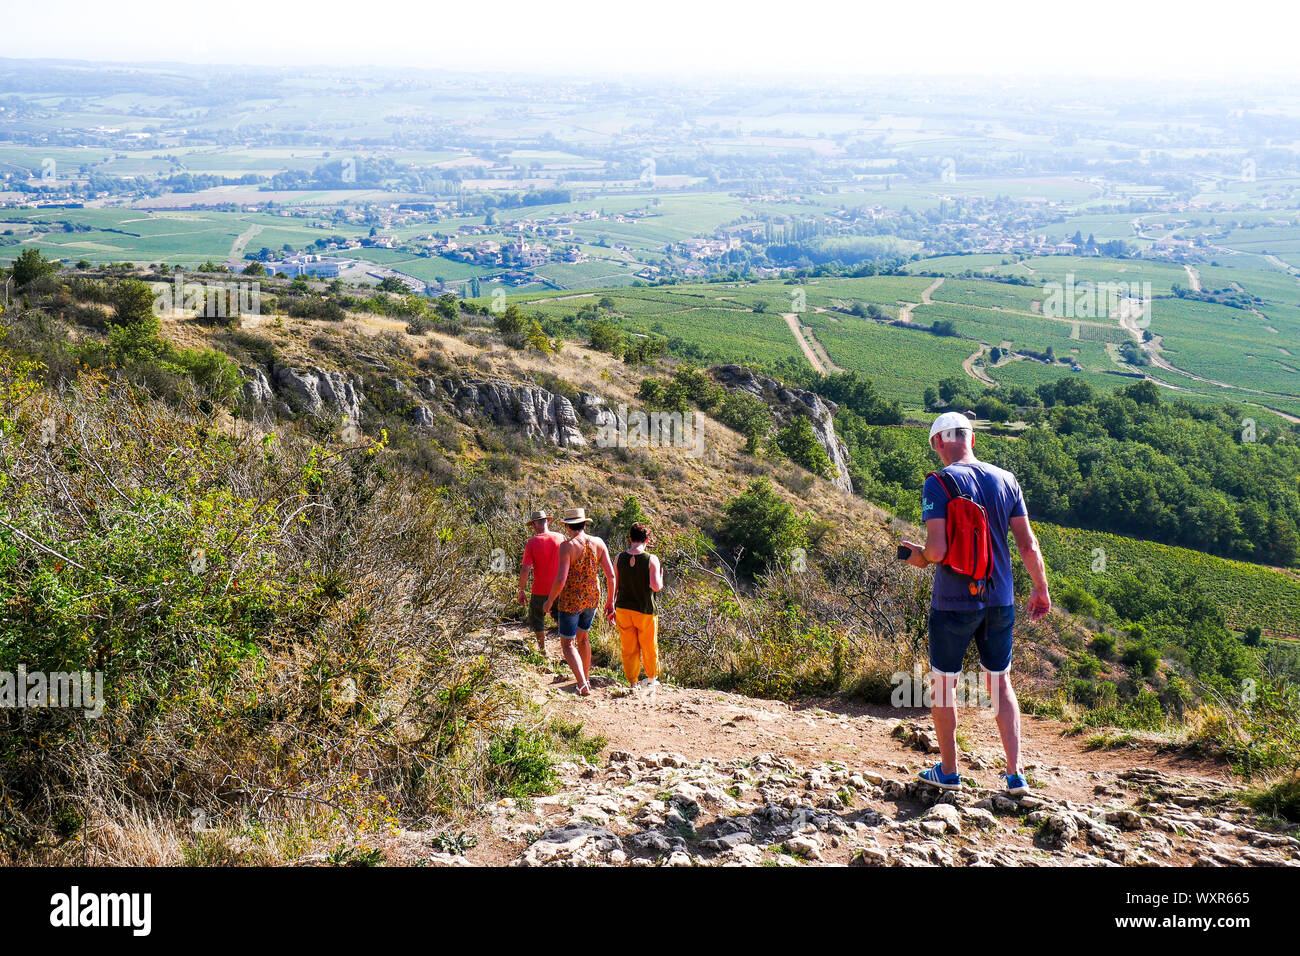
(574, 661)
(943, 711)
(1006, 710)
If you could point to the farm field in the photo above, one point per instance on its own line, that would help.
(1227, 345)
(901, 362)
(1248, 593)
(1214, 341)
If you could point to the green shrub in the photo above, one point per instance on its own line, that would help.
(1103, 645)
(279, 628)
(799, 442)
(1282, 799)
(761, 526)
(520, 764)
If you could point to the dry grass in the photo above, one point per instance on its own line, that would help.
(317, 675)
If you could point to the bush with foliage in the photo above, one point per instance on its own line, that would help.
(281, 629)
(762, 527)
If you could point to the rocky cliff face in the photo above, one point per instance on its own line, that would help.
(316, 390)
(786, 401)
(313, 390)
(540, 414)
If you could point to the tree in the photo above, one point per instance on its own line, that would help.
(606, 337)
(31, 266)
(536, 339)
(254, 269)
(134, 334)
(448, 307)
(623, 519)
(1145, 392)
(992, 409)
(799, 442)
(860, 396)
(510, 323)
(762, 526)
(747, 415)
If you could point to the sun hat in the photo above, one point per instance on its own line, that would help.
(538, 516)
(574, 515)
(949, 421)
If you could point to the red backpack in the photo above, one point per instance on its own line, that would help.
(970, 542)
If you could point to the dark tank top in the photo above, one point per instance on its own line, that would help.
(634, 592)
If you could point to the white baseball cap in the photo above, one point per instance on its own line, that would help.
(948, 421)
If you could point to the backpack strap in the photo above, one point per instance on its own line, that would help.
(948, 482)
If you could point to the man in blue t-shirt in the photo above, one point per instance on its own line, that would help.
(956, 616)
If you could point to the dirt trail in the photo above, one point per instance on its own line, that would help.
(1193, 277)
(968, 366)
(565, 298)
(704, 777)
(812, 350)
(243, 239)
(1284, 266)
(905, 313)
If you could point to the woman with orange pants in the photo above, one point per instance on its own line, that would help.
(638, 575)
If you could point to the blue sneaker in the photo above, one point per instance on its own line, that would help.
(936, 776)
(1016, 784)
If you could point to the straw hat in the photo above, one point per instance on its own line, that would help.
(538, 516)
(574, 515)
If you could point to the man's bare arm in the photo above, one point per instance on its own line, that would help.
(523, 581)
(1040, 600)
(936, 544)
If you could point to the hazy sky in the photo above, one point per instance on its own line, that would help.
(1130, 38)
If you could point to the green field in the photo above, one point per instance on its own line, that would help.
(1214, 341)
(1248, 593)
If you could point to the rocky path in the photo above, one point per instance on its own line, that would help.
(705, 778)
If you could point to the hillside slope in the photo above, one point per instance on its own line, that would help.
(703, 777)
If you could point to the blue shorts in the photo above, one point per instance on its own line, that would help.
(951, 633)
(571, 624)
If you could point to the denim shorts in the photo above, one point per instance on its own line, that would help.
(571, 624)
(951, 633)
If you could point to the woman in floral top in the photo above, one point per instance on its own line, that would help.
(576, 593)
